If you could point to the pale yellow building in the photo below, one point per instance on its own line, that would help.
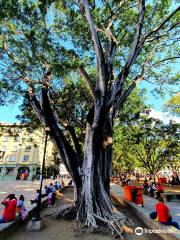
(21, 151)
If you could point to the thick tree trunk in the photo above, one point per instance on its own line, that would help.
(94, 198)
(95, 205)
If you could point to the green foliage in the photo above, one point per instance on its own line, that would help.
(36, 36)
(173, 104)
(123, 158)
(148, 144)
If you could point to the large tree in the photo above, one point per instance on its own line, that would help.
(111, 45)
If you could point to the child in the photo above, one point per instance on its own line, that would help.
(23, 213)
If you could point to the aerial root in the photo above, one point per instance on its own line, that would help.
(116, 224)
(66, 211)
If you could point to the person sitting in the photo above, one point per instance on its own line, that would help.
(51, 178)
(56, 186)
(36, 197)
(123, 181)
(70, 182)
(59, 184)
(145, 186)
(163, 214)
(52, 188)
(9, 213)
(23, 213)
(175, 180)
(152, 189)
(47, 190)
(49, 198)
(112, 178)
(160, 190)
(62, 183)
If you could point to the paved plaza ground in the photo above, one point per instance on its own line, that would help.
(27, 188)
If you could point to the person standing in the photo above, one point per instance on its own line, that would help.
(9, 213)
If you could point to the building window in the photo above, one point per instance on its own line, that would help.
(28, 149)
(6, 139)
(16, 139)
(15, 148)
(1, 155)
(29, 139)
(12, 158)
(9, 171)
(25, 158)
(4, 148)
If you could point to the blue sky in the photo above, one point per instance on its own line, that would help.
(8, 113)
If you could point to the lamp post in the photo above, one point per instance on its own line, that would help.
(37, 214)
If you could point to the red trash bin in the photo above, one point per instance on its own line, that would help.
(134, 194)
(139, 195)
(128, 192)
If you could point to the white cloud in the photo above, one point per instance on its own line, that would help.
(164, 116)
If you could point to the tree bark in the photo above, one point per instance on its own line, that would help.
(95, 205)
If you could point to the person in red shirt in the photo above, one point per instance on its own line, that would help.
(163, 214)
(9, 213)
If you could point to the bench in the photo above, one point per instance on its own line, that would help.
(7, 228)
(172, 196)
(169, 196)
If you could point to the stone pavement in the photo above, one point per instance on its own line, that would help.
(27, 188)
(149, 203)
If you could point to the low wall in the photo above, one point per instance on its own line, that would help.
(143, 215)
(6, 229)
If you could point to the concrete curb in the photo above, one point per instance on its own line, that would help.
(142, 214)
(8, 228)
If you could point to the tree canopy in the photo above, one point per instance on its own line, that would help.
(37, 36)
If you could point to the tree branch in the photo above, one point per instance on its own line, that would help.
(68, 154)
(36, 105)
(164, 60)
(162, 24)
(85, 75)
(119, 101)
(133, 53)
(74, 138)
(101, 64)
(135, 50)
